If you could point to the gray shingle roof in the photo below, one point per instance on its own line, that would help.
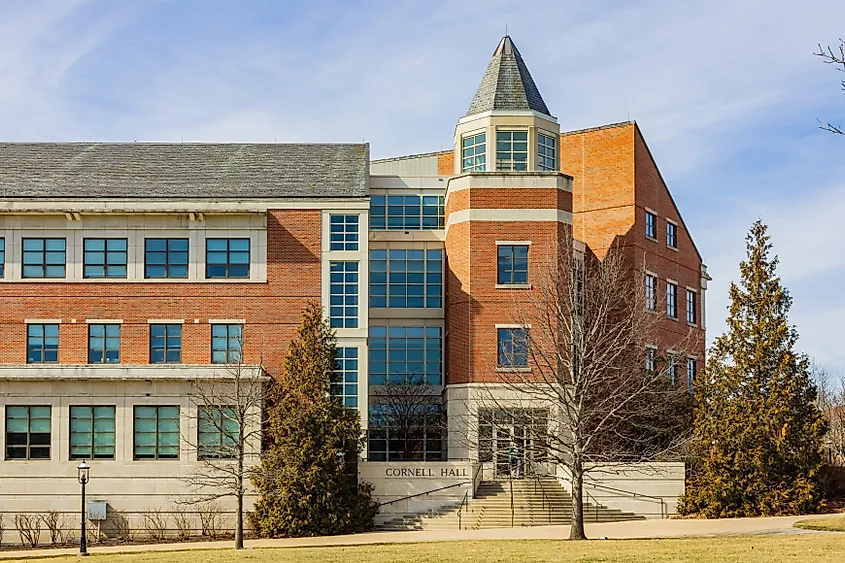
(507, 84)
(192, 170)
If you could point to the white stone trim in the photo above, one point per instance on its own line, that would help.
(692, 289)
(652, 211)
(668, 220)
(670, 280)
(513, 242)
(43, 321)
(227, 321)
(513, 325)
(186, 206)
(507, 112)
(166, 321)
(103, 321)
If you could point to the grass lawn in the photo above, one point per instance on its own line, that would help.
(832, 524)
(749, 549)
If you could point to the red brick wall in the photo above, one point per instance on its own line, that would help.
(446, 163)
(271, 309)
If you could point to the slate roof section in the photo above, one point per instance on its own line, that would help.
(507, 84)
(183, 170)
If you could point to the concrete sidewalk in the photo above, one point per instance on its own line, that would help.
(640, 529)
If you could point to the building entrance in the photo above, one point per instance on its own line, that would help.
(512, 443)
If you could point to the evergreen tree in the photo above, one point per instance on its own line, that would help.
(757, 431)
(308, 480)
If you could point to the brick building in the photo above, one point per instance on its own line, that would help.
(128, 272)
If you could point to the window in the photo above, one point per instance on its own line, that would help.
(344, 384)
(513, 264)
(499, 428)
(2, 257)
(673, 370)
(104, 258)
(157, 432)
(650, 359)
(92, 432)
(226, 258)
(27, 432)
(650, 292)
(406, 278)
(671, 235)
(401, 354)
(650, 225)
(691, 373)
(44, 257)
(218, 433)
(407, 212)
(226, 344)
(343, 294)
(546, 152)
(474, 153)
(165, 344)
(103, 344)
(692, 307)
(671, 300)
(512, 150)
(166, 258)
(42, 344)
(513, 347)
(343, 232)
(412, 433)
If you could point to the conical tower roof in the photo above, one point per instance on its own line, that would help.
(507, 84)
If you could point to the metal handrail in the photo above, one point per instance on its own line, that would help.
(545, 501)
(452, 486)
(632, 494)
(464, 502)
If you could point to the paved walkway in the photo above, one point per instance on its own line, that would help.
(641, 529)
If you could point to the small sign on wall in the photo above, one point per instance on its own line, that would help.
(97, 509)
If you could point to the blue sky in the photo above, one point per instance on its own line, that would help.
(726, 93)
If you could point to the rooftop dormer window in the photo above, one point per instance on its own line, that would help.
(474, 153)
(512, 150)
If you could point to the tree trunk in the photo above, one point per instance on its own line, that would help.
(576, 528)
(239, 527)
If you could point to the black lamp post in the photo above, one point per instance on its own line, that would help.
(82, 477)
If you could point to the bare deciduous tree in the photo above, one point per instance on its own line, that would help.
(836, 58)
(582, 357)
(230, 422)
(831, 402)
(406, 411)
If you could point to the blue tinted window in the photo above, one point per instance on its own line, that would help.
(407, 212)
(165, 344)
(513, 347)
(474, 153)
(226, 343)
(343, 294)
(166, 258)
(42, 344)
(104, 258)
(406, 354)
(406, 278)
(103, 343)
(227, 258)
(343, 232)
(650, 224)
(44, 257)
(2, 257)
(344, 384)
(156, 432)
(513, 264)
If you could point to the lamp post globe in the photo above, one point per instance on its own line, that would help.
(82, 476)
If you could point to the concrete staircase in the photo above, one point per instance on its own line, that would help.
(536, 502)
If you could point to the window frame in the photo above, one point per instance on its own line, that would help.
(167, 265)
(106, 252)
(671, 234)
(344, 384)
(478, 158)
(229, 352)
(506, 158)
(219, 432)
(105, 338)
(511, 249)
(691, 374)
(651, 358)
(692, 307)
(93, 433)
(43, 349)
(346, 313)
(28, 446)
(390, 212)
(228, 252)
(2, 257)
(651, 292)
(156, 457)
(43, 264)
(166, 338)
(381, 261)
(672, 300)
(511, 342)
(385, 354)
(650, 225)
(542, 159)
(344, 232)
